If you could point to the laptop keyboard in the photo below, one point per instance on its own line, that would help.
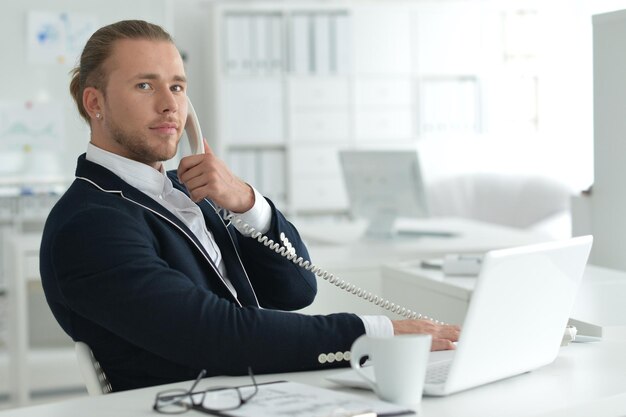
(437, 372)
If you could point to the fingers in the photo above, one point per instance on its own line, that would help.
(207, 148)
(190, 161)
(443, 334)
(187, 167)
(441, 344)
(206, 176)
(449, 331)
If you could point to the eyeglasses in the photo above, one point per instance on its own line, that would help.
(212, 400)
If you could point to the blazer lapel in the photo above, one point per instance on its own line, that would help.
(236, 271)
(107, 181)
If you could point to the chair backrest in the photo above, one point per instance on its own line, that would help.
(512, 200)
(93, 375)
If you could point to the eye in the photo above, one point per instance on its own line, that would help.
(178, 88)
(143, 86)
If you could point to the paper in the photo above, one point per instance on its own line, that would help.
(31, 126)
(300, 400)
(58, 37)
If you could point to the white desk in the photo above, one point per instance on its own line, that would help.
(585, 380)
(359, 259)
(326, 244)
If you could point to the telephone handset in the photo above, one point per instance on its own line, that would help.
(194, 133)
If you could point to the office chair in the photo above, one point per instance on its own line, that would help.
(523, 201)
(93, 375)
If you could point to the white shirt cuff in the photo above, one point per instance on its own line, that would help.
(259, 216)
(377, 326)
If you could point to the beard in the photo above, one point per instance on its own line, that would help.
(138, 146)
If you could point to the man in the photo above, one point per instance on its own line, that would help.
(139, 264)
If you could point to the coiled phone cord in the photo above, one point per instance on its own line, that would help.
(319, 272)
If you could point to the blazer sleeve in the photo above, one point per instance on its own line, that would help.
(108, 269)
(278, 282)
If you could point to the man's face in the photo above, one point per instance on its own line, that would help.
(145, 104)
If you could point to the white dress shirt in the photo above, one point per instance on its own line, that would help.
(157, 185)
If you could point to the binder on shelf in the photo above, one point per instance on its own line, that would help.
(273, 174)
(238, 45)
(244, 43)
(300, 44)
(321, 44)
(232, 60)
(341, 43)
(244, 165)
(275, 44)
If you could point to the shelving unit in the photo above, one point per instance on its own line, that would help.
(294, 83)
(28, 332)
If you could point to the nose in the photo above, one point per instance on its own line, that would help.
(167, 102)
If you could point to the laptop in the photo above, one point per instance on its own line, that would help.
(516, 317)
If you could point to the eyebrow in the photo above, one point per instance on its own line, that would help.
(151, 76)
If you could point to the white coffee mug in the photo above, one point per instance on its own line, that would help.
(399, 364)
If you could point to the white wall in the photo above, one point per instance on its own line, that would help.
(608, 198)
(24, 81)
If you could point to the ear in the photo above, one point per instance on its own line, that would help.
(93, 101)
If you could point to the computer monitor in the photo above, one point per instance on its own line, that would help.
(383, 185)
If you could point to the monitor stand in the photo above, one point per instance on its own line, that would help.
(384, 227)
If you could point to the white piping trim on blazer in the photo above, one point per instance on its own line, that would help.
(165, 218)
(217, 211)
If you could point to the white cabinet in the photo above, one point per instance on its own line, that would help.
(320, 185)
(283, 81)
(381, 125)
(383, 91)
(384, 109)
(320, 126)
(319, 109)
(382, 39)
(314, 160)
(319, 195)
(321, 93)
(253, 111)
(294, 78)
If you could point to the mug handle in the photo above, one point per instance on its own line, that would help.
(359, 350)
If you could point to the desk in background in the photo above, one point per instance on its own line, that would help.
(585, 380)
(342, 249)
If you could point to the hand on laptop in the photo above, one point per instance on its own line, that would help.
(443, 334)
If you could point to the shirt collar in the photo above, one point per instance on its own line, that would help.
(137, 174)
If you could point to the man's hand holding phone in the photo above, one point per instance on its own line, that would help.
(207, 176)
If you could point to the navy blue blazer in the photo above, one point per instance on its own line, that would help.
(127, 277)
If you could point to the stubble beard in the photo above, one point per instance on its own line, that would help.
(137, 145)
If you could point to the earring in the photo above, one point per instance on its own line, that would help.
(98, 116)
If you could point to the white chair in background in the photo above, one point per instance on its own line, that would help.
(93, 374)
(522, 201)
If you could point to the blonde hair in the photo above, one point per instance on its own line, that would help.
(90, 70)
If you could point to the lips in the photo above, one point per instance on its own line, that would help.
(165, 128)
